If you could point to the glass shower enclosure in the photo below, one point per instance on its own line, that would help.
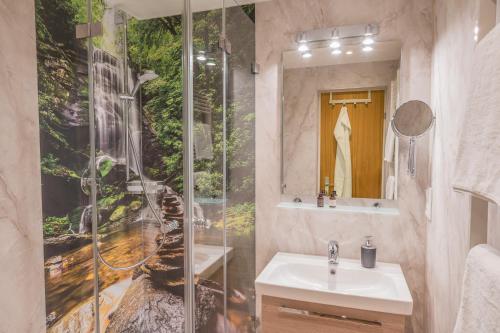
(148, 164)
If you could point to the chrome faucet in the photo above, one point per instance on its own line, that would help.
(333, 252)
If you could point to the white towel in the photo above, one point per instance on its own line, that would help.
(390, 137)
(480, 304)
(343, 170)
(390, 141)
(389, 187)
(478, 158)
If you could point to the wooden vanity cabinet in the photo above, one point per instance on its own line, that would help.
(281, 315)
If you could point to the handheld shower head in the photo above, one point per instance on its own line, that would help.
(147, 76)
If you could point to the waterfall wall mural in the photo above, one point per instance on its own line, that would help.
(127, 231)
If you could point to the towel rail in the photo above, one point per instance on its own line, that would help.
(351, 101)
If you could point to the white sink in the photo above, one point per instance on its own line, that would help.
(308, 278)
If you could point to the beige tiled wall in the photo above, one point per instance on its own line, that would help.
(401, 238)
(22, 307)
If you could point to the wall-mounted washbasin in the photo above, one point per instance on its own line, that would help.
(310, 279)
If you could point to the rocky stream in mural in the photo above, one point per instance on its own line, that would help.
(150, 297)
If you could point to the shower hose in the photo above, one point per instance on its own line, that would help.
(164, 227)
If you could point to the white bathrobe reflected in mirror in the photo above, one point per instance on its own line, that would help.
(343, 171)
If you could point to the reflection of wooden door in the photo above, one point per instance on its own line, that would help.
(367, 123)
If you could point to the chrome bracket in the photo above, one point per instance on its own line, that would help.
(255, 69)
(224, 44)
(88, 30)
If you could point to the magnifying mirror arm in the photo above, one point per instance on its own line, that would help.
(412, 157)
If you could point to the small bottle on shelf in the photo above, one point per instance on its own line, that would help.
(333, 200)
(321, 199)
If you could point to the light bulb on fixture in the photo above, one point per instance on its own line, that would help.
(301, 38)
(335, 44)
(368, 30)
(307, 55)
(303, 47)
(349, 52)
(337, 52)
(302, 41)
(335, 34)
(367, 49)
(368, 40)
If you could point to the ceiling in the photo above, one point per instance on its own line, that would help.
(148, 9)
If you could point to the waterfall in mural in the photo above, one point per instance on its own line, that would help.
(108, 108)
(85, 220)
(107, 105)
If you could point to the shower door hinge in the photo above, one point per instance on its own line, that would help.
(88, 30)
(224, 44)
(255, 68)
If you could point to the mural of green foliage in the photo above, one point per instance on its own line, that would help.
(157, 45)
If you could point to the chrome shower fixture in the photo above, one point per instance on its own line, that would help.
(147, 76)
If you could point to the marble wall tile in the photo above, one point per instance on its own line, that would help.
(22, 303)
(277, 22)
(448, 235)
(301, 114)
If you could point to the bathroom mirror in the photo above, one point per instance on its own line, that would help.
(412, 120)
(336, 112)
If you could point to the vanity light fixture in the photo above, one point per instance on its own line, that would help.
(349, 36)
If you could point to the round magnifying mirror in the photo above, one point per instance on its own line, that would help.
(412, 120)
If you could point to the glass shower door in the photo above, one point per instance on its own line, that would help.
(137, 145)
(223, 160)
(240, 167)
(209, 249)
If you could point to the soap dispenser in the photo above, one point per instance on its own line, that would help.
(368, 253)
